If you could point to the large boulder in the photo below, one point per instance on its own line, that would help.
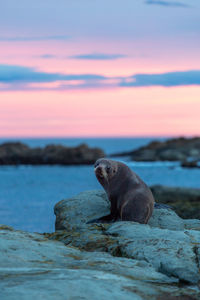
(18, 153)
(170, 245)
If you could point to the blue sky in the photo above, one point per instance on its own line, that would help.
(116, 19)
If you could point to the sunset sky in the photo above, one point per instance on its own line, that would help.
(99, 68)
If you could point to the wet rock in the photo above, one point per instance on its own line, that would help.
(18, 153)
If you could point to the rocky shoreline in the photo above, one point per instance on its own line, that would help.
(16, 153)
(122, 260)
(185, 150)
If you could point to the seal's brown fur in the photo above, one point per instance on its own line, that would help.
(130, 197)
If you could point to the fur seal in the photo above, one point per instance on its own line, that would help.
(130, 197)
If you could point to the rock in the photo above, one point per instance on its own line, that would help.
(178, 149)
(170, 245)
(18, 153)
(122, 260)
(167, 219)
(190, 164)
(34, 267)
(185, 201)
(72, 215)
(168, 251)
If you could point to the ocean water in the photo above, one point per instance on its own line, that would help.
(29, 193)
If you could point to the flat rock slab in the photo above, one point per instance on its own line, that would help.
(33, 267)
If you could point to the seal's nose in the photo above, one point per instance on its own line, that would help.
(98, 169)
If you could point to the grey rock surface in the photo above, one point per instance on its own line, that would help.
(122, 260)
(34, 267)
(169, 243)
(170, 252)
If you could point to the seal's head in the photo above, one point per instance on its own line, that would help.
(105, 169)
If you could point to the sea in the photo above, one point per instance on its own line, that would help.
(28, 193)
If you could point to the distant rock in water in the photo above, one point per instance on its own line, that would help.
(179, 149)
(15, 153)
(190, 164)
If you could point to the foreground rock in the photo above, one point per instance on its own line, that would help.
(179, 149)
(168, 244)
(123, 260)
(34, 267)
(185, 201)
(18, 153)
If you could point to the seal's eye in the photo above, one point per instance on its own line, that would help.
(96, 165)
(108, 169)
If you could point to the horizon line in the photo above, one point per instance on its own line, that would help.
(103, 137)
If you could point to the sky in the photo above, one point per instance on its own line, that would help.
(99, 68)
